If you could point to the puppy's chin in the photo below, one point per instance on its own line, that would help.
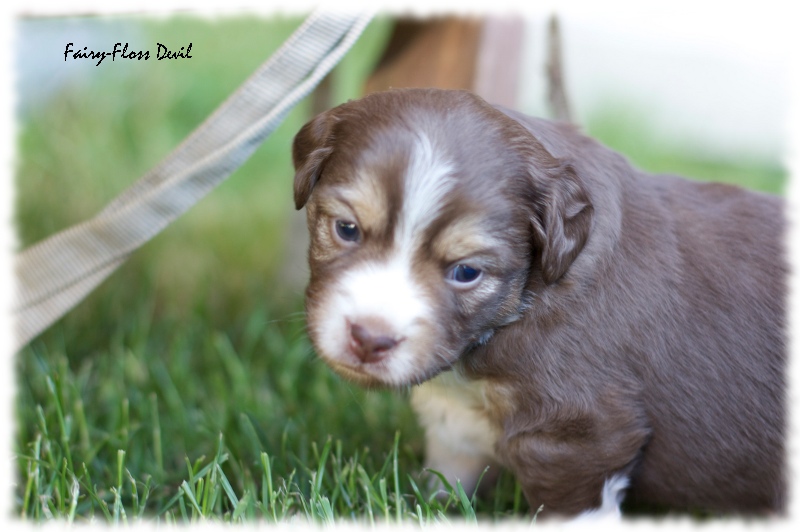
(372, 378)
(384, 373)
(360, 377)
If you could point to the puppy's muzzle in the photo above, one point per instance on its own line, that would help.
(371, 339)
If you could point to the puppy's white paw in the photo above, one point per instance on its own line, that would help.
(609, 511)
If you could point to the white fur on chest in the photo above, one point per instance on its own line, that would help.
(461, 432)
(460, 436)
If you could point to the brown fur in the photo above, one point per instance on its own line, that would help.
(638, 322)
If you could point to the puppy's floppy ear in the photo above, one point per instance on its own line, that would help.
(563, 220)
(310, 149)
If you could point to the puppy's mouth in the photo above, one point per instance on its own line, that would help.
(379, 374)
(368, 374)
(371, 355)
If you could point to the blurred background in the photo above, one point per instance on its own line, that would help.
(201, 331)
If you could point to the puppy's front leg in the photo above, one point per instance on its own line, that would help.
(578, 466)
(459, 439)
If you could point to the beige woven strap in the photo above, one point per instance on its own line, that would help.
(57, 273)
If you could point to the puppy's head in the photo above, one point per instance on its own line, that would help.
(432, 215)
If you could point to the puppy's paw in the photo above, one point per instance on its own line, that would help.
(609, 511)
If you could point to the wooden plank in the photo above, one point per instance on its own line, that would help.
(479, 54)
(499, 60)
(439, 52)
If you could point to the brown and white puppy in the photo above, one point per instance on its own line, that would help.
(584, 324)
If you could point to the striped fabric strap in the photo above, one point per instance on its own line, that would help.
(58, 272)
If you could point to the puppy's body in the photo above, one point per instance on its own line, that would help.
(621, 325)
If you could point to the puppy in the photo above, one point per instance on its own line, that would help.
(560, 313)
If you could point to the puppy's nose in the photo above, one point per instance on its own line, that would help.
(370, 343)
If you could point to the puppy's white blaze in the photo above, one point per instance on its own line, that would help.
(428, 179)
(613, 493)
(385, 291)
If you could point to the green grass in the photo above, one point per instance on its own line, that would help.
(184, 388)
(179, 423)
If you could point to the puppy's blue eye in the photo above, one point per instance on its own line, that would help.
(347, 231)
(462, 273)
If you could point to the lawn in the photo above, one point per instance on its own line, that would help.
(184, 388)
